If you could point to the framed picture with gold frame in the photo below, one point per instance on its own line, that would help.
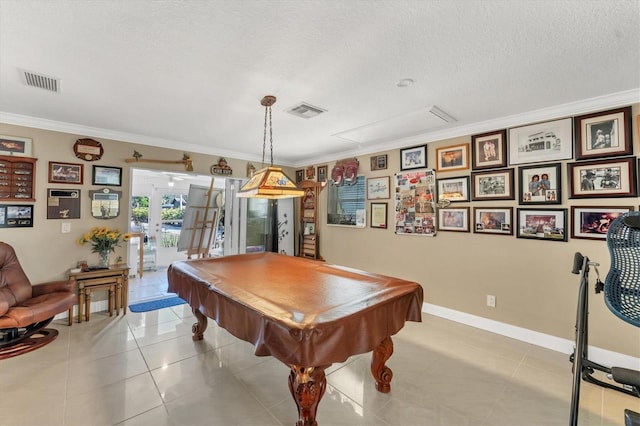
(451, 158)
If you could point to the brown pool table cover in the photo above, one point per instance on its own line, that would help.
(300, 311)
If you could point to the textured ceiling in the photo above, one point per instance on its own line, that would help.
(190, 74)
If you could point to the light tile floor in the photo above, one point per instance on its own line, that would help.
(152, 285)
(144, 369)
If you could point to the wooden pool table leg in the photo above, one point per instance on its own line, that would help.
(198, 328)
(381, 373)
(307, 385)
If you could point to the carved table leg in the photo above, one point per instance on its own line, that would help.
(198, 328)
(87, 303)
(307, 385)
(381, 373)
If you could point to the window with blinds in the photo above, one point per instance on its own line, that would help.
(346, 204)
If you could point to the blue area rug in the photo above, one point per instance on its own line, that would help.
(156, 304)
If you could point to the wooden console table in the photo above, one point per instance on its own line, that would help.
(115, 280)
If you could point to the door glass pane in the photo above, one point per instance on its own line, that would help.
(258, 228)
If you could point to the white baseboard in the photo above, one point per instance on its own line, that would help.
(599, 355)
(97, 306)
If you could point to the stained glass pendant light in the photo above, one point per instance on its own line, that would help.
(269, 182)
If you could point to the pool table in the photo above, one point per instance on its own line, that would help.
(306, 313)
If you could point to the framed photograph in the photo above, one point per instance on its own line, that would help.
(108, 176)
(493, 185)
(543, 224)
(379, 215)
(14, 145)
(450, 158)
(603, 134)
(299, 175)
(494, 220)
(453, 189)
(66, 172)
(489, 150)
(604, 178)
(592, 222)
(540, 184)
(415, 208)
(16, 216)
(548, 141)
(453, 219)
(378, 188)
(379, 162)
(413, 158)
(322, 173)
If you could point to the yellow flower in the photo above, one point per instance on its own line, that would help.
(103, 239)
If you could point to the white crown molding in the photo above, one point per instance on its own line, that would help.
(96, 132)
(559, 111)
(565, 110)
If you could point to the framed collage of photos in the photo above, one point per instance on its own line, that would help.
(592, 222)
(542, 224)
(414, 203)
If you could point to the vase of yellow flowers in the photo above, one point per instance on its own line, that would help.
(104, 241)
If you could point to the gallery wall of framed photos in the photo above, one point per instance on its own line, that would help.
(545, 170)
(542, 170)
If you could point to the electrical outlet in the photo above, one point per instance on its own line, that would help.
(491, 300)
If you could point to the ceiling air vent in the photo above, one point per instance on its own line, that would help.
(41, 81)
(305, 110)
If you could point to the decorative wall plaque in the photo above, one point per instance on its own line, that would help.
(88, 149)
(222, 168)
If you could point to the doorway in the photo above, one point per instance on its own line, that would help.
(158, 203)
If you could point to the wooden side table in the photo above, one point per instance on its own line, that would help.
(115, 280)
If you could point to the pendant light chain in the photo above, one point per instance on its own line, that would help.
(270, 135)
(264, 136)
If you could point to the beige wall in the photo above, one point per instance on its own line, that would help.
(44, 252)
(531, 279)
